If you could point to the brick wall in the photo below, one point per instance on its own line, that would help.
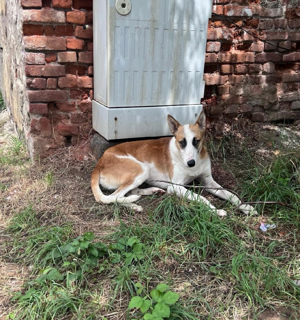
(57, 39)
(247, 76)
(49, 73)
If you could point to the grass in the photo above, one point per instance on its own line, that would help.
(2, 104)
(89, 262)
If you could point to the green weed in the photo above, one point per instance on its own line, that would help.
(157, 306)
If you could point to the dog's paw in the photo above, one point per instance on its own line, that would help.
(221, 213)
(247, 209)
(136, 207)
(159, 191)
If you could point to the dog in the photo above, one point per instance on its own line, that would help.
(167, 165)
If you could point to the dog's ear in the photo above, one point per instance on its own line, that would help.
(201, 121)
(173, 124)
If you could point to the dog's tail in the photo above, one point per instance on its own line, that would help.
(100, 197)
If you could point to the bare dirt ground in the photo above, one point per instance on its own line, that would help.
(59, 187)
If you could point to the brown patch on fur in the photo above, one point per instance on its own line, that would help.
(150, 151)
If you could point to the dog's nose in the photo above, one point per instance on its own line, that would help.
(191, 163)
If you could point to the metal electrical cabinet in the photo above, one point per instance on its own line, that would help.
(148, 62)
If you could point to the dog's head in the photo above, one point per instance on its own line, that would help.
(189, 138)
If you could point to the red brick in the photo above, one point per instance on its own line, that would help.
(269, 67)
(257, 46)
(36, 83)
(67, 130)
(38, 108)
(234, 108)
(268, 56)
(72, 81)
(255, 68)
(65, 4)
(276, 35)
(85, 106)
(213, 46)
(280, 23)
(45, 15)
(294, 56)
(295, 105)
(89, 17)
(215, 79)
(44, 43)
(294, 23)
(226, 69)
(79, 94)
(265, 24)
(224, 34)
(31, 3)
(268, 12)
(242, 57)
(45, 71)
(75, 69)
(90, 46)
(49, 30)
(241, 69)
(75, 44)
(85, 57)
(51, 83)
(66, 107)
(271, 46)
(83, 4)
(50, 57)
(68, 56)
(78, 118)
(294, 36)
(237, 11)
(234, 79)
(47, 95)
(33, 29)
(211, 58)
(34, 58)
(90, 71)
(211, 34)
(41, 125)
(245, 108)
(85, 82)
(62, 31)
(217, 9)
(76, 17)
(69, 81)
(291, 77)
(285, 45)
(220, 1)
(87, 33)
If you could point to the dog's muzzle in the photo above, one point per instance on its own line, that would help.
(191, 163)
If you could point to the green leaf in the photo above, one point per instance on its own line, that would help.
(162, 310)
(139, 287)
(145, 306)
(94, 251)
(156, 295)
(54, 274)
(170, 297)
(132, 241)
(90, 236)
(162, 287)
(129, 258)
(154, 316)
(135, 302)
(84, 244)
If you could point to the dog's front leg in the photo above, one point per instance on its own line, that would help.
(214, 188)
(182, 192)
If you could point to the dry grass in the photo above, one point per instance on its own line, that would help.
(58, 188)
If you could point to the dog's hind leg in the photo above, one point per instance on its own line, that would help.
(147, 191)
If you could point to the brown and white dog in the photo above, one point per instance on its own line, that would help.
(165, 164)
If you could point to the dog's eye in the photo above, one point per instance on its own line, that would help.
(196, 142)
(182, 143)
